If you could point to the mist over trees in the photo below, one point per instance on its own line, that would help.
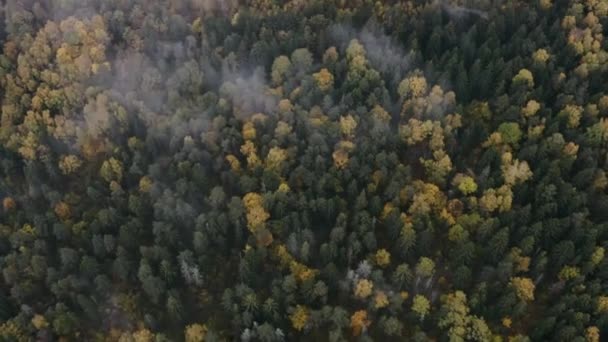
(286, 170)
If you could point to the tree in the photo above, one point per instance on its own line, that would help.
(467, 185)
(69, 164)
(348, 126)
(302, 59)
(280, 69)
(111, 170)
(421, 306)
(256, 214)
(143, 335)
(359, 322)
(383, 257)
(9, 204)
(524, 288)
(195, 332)
(531, 108)
(363, 288)
(524, 76)
(425, 267)
(414, 86)
(572, 114)
(324, 80)
(299, 317)
(510, 133)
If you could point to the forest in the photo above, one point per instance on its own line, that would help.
(303, 170)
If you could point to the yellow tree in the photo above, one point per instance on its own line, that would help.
(324, 79)
(363, 288)
(421, 306)
(195, 333)
(256, 214)
(299, 317)
(524, 288)
(359, 322)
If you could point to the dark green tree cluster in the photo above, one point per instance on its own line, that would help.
(284, 170)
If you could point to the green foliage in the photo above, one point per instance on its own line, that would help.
(299, 170)
(510, 132)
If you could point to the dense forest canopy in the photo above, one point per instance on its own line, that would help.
(286, 170)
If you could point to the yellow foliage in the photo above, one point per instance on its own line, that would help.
(495, 139)
(524, 76)
(275, 158)
(111, 170)
(439, 166)
(524, 288)
(513, 171)
(416, 131)
(324, 79)
(507, 322)
(249, 150)
(145, 184)
(531, 108)
(545, 4)
(521, 263)
(259, 117)
(359, 322)
(283, 129)
(234, 163)
(345, 145)
(571, 149)
(299, 317)
(39, 322)
(301, 271)
(252, 200)
(592, 334)
(602, 304)
(415, 86)
(143, 335)
(380, 300)
(388, 207)
(568, 272)
(382, 257)
(283, 255)
(285, 106)
(573, 115)
(598, 255)
(9, 331)
(195, 333)
(256, 217)
(28, 230)
(427, 198)
(364, 288)
(568, 22)
(69, 164)
(29, 146)
(536, 131)
(248, 132)
(421, 306)
(494, 199)
(348, 125)
(541, 56)
(340, 158)
(380, 114)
